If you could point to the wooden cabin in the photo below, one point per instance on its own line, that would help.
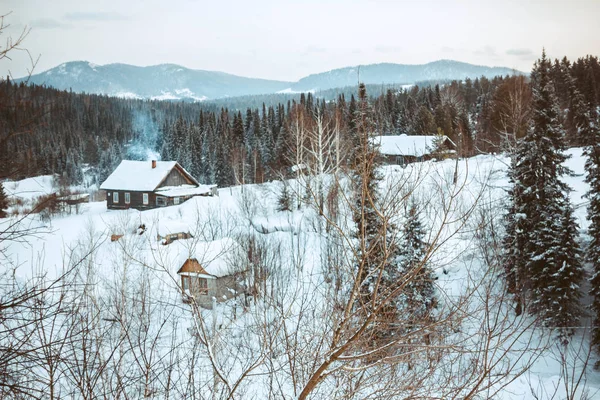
(405, 149)
(208, 273)
(194, 278)
(150, 184)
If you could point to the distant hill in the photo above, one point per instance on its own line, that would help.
(398, 74)
(161, 82)
(174, 82)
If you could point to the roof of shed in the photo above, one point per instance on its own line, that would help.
(405, 145)
(217, 257)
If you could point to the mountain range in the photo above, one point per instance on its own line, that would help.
(174, 82)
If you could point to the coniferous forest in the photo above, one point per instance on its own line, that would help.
(46, 131)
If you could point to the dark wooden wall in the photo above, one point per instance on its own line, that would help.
(175, 178)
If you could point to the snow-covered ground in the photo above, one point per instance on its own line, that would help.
(294, 252)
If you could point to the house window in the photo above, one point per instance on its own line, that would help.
(115, 197)
(176, 200)
(145, 198)
(201, 285)
(127, 198)
(161, 201)
(194, 285)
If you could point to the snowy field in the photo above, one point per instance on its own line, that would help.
(134, 279)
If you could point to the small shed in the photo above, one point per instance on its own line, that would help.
(169, 231)
(208, 270)
(405, 149)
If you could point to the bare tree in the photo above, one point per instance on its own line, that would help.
(511, 111)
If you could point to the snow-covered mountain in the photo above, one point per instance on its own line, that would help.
(161, 82)
(397, 73)
(174, 82)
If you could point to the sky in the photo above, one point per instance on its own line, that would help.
(287, 40)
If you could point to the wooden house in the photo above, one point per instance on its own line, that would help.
(405, 149)
(150, 184)
(208, 272)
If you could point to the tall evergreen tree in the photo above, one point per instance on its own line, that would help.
(366, 179)
(377, 252)
(418, 295)
(592, 167)
(513, 241)
(539, 221)
(565, 293)
(3, 201)
(580, 114)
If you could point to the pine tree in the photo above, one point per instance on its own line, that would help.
(592, 167)
(3, 202)
(540, 216)
(418, 294)
(383, 285)
(366, 179)
(402, 122)
(284, 202)
(377, 269)
(566, 293)
(580, 114)
(197, 144)
(424, 123)
(516, 235)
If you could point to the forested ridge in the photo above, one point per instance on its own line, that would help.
(46, 131)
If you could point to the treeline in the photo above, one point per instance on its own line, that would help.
(543, 258)
(45, 131)
(241, 103)
(48, 131)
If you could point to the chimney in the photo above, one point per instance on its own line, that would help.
(153, 164)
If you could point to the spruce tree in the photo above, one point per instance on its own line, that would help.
(366, 180)
(566, 293)
(377, 253)
(383, 285)
(418, 294)
(3, 202)
(592, 167)
(580, 114)
(540, 215)
(284, 202)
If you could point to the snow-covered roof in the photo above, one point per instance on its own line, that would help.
(79, 196)
(404, 145)
(139, 175)
(217, 257)
(184, 190)
(297, 167)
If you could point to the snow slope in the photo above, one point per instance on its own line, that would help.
(239, 212)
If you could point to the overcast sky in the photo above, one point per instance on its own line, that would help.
(286, 40)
